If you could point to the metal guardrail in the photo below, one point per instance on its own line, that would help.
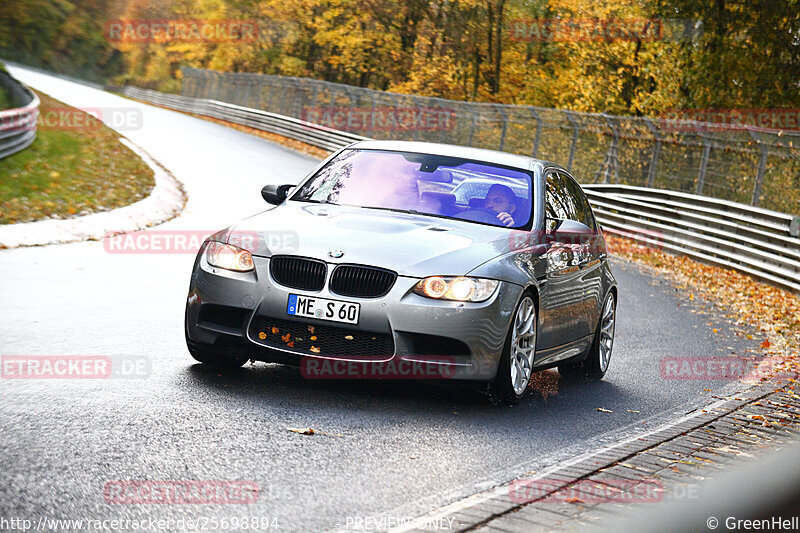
(753, 240)
(300, 130)
(17, 125)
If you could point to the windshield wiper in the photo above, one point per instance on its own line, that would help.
(392, 209)
(311, 201)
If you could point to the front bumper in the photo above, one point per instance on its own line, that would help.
(244, 314)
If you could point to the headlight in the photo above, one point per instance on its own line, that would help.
(229, 257)
(459, 289)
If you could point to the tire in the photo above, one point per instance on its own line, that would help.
(516, 361)
(595, 366)
(600, 352)
(216, 360)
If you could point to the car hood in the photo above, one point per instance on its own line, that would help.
(410, 244)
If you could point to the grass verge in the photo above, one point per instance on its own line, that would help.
(75, 168)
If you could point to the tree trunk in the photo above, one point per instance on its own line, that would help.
(498, 48)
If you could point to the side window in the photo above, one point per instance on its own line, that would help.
(555, 197)
(583, 210)
(559, 198)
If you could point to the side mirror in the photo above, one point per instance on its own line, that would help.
(275, 194)
(570, 231)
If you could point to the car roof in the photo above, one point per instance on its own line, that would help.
(466, 152)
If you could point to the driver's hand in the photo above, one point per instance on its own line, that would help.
(505, 219)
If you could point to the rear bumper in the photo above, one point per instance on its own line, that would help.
(237, 313)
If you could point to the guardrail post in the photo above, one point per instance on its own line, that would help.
(651, 172)
(228, 93)
(187, 84)
(371, 97)
(417, 105)
(396, 104)
(314, 96)
(611, 155)
(438, 121)
(209, 87)
(574, 142)
(472, 127)
(248, 91)
(762, 167)
(284, 95)
(701, 174)
(500, 110)
(537, 137)
(270, 85)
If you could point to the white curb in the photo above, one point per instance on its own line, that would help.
(166, 200)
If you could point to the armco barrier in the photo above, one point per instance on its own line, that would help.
(17, 125)
(756, 241)
(759, 242)
(307, 132)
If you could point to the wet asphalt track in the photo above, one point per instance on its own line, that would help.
(390, 449)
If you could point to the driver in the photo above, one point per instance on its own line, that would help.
(501, 200)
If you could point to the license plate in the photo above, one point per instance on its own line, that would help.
(323, 309)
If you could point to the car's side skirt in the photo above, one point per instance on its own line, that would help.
(576, 349)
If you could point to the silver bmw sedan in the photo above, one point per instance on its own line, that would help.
(412, 260)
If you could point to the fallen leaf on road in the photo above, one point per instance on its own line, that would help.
(766, 344)
(309, 431)
(302, 431)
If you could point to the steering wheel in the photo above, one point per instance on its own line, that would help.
(480, 214)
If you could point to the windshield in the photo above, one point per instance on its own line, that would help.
(420, 183)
